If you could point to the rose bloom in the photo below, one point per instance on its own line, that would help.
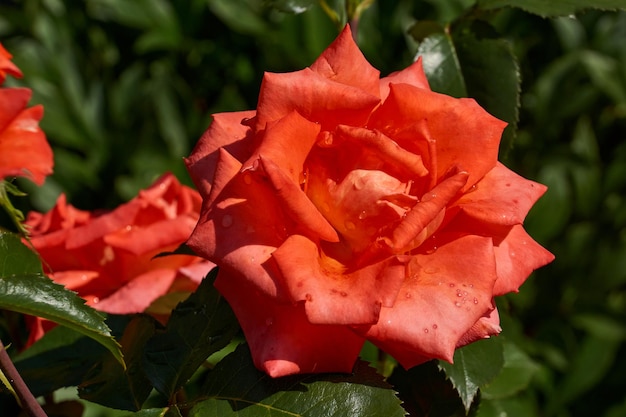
(24, 150)
(350, 207)
(109, 258)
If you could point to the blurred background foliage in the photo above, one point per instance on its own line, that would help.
(129, 86)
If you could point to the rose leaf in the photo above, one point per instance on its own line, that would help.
(109, 384)
(475, 365)
(25, 289)
(157, 412)
(517, 371)
(236, 388)
(441, 64)
(61, 358)
(198, 327)
(554, 7)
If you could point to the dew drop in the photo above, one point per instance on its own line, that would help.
(471, 285)
(458, 304)
(269, 321)
(464, 293)
(227, 220)
(95, 300)
(435, 326)
(408, 295)
(475, 300)
(349, 225)
(425, 330)
(247, 178)
(343, 294)
(431, 250)
(362, 215)
(308, 297)
(451, 285)
(458, 293)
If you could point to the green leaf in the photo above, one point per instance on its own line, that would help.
(474, 366)
(553, 7)
(441, 65)
(25, 289)
(491, 75)
(236, 388)
(111, 385)
(425, 391)
(61, 358)
(470, 61)
(516, 374)
(198, 327)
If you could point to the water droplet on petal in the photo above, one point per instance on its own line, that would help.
(349, 225)
(458, 304)
(451, 285)
(227, 220)
(95, 300)
(247, 178)
(362, 215)
(308, 297)
(475, 300)
(408, 295)
(435, 326)
(425, 330)
(269, 321)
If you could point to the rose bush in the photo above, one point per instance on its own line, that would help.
(24, 150)
(350, 207)
(109, 258)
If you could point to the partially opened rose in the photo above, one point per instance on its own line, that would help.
(24, 150)
(349, 208)
(109, 258)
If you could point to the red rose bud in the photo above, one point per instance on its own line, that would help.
(350, 207)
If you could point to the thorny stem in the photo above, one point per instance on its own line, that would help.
(27, 400)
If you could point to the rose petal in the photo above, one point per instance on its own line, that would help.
(6, 66)
(413, 75)
(286, 143)
(426, 216)
(484, 328)
(226, 131)
(399, 159)
(24, 150)
(500, 197)
(138, 294)
(296, 204)
(331, 294)
(281, 339)
(439, 302)
(342, 61)
(466, 135)
(315, 97)
(239, 231)
(72, 280)
(517, 256)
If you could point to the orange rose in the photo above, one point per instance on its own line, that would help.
(109, 258)
(24, 150)
(349, 208)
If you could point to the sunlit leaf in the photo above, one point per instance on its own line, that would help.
(474, 365)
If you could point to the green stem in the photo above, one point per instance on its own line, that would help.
(26, 398)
